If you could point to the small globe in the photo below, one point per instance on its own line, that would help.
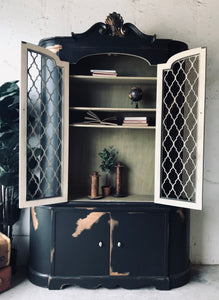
(135, 94)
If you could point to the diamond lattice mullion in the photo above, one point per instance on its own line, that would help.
(180, 127)
(44, 131)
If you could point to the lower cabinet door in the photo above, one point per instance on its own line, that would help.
(81, 243)
(139, 244)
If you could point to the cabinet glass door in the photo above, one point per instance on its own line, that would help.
(43, 127)
(180, 130)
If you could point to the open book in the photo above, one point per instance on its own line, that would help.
(93, 118)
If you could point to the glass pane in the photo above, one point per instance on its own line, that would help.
(44, 129)
(179, 133)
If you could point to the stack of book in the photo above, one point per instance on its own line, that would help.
(135, 121)
(104, 72)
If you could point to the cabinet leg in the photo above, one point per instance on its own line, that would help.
(162, 284)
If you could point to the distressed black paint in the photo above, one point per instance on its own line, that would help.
(154, 240)
(154, 246)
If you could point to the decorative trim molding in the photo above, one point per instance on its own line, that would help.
(114, 26)
(114, 21)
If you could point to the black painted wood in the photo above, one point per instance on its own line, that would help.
(142, 252)
(40, 244)
(154, 239)
(135, 42)
(153, 250)
(80, 255)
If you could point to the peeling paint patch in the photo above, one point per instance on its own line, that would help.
(181, 214)
(34, 218)
(52, 255)
(54, 48)
(113, 224)
(87, 223)
(118, 274)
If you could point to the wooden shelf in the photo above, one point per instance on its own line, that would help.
(115, 79)
(128, 198)
(113, 109)
(81, 124)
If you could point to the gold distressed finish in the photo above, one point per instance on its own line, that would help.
(87, 223)
(52, 255)
(113, 224)
(34, 218)
(55, 49)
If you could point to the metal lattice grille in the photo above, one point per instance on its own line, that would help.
(44, 129)
(179, 135)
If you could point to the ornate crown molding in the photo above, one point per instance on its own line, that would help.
(114, 26)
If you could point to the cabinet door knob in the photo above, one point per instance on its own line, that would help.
(119, 244)
(100, 244)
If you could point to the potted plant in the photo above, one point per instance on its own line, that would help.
(9, 159)
(108, 162)
(9, 156)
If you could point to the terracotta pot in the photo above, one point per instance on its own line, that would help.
(106, 190)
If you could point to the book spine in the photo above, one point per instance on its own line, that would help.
(103, 71)
(104, 74)
(135, 119)
(135, 122)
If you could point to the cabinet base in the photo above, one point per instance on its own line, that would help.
(93, 282)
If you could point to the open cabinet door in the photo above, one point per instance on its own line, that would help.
(44, 123)
(180, 130)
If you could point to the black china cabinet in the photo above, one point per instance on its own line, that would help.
(142, 237)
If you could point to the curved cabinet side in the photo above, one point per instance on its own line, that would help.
(40, 246)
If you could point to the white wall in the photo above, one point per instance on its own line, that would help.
(195, 22)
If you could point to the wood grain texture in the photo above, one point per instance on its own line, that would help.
(136, 152)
